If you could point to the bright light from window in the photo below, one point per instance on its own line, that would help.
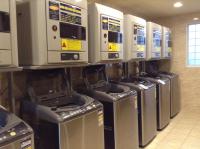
(194, 45)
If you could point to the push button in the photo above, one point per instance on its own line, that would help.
(54, 28)
(76, 56)
(105, 35)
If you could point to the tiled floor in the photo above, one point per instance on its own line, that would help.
(182, 133)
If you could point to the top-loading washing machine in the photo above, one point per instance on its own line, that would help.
(14, 133)
(175, 92)
(120, 108)
(163, 99)
(63, 119)
(147, 121)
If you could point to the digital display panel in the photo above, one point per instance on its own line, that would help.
(4, 22)
(72, 31)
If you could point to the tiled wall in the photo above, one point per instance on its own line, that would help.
(189, 77)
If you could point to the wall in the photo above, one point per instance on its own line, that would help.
(189, 77)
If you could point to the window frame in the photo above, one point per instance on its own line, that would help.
(187, 45)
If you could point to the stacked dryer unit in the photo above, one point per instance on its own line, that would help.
(52, 31)
(154, 40)
(147, 104)
(135, 38)
(14, 133)
(105, 33)
(8, 34)
(166, 42)
(174, 94)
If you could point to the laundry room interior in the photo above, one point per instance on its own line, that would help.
(99, 74)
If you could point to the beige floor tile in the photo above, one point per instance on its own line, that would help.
(191, 143)
(183, 132)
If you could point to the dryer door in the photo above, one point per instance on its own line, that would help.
(126, 123)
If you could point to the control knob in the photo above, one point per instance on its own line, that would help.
(76, 56)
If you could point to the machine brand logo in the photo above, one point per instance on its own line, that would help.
(53, 10)
(54, 7)
(26, 144)
(100, 118)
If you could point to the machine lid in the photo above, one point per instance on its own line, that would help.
(138, 81)
(110, 88)
(64, 102)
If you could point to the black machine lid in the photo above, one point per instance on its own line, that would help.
(109, 88)
(96, 78)
(63, 101)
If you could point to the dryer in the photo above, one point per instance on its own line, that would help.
(120, 109)
(163, 99)
(74, 120)
(175, 92)
(14, 133)
(147, 121)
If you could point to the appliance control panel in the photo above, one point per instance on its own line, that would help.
(16, 131)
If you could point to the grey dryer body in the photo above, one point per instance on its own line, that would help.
(120, 119)
(74, 122)
(163, 100)
(146, 109)
(175, 93)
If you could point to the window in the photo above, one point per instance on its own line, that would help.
(193, 45)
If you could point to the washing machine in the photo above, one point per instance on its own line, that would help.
(63, 119)
(147, 121)
(14, 133)
(175, 93)
(120, 109)
(163, 99)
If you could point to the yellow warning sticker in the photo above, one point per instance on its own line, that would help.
(71, 45)
(113, 47)
(158, 49)
(140, 48)
(170, 49)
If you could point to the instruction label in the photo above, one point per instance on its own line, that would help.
(71, 45)
(140, 48)
(113, 47)
(53, 10)
(170, 49)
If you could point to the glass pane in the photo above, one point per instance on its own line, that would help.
(192, 28)
(192, 35)
(197, 49)
(197, 56)
(192, 42)
(191, 56)
(192, 49)
(197, 41)
(191, 62)
(198, 34)
(197, 62)
(198, 27)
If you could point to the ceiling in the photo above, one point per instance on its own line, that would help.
(151, 9)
